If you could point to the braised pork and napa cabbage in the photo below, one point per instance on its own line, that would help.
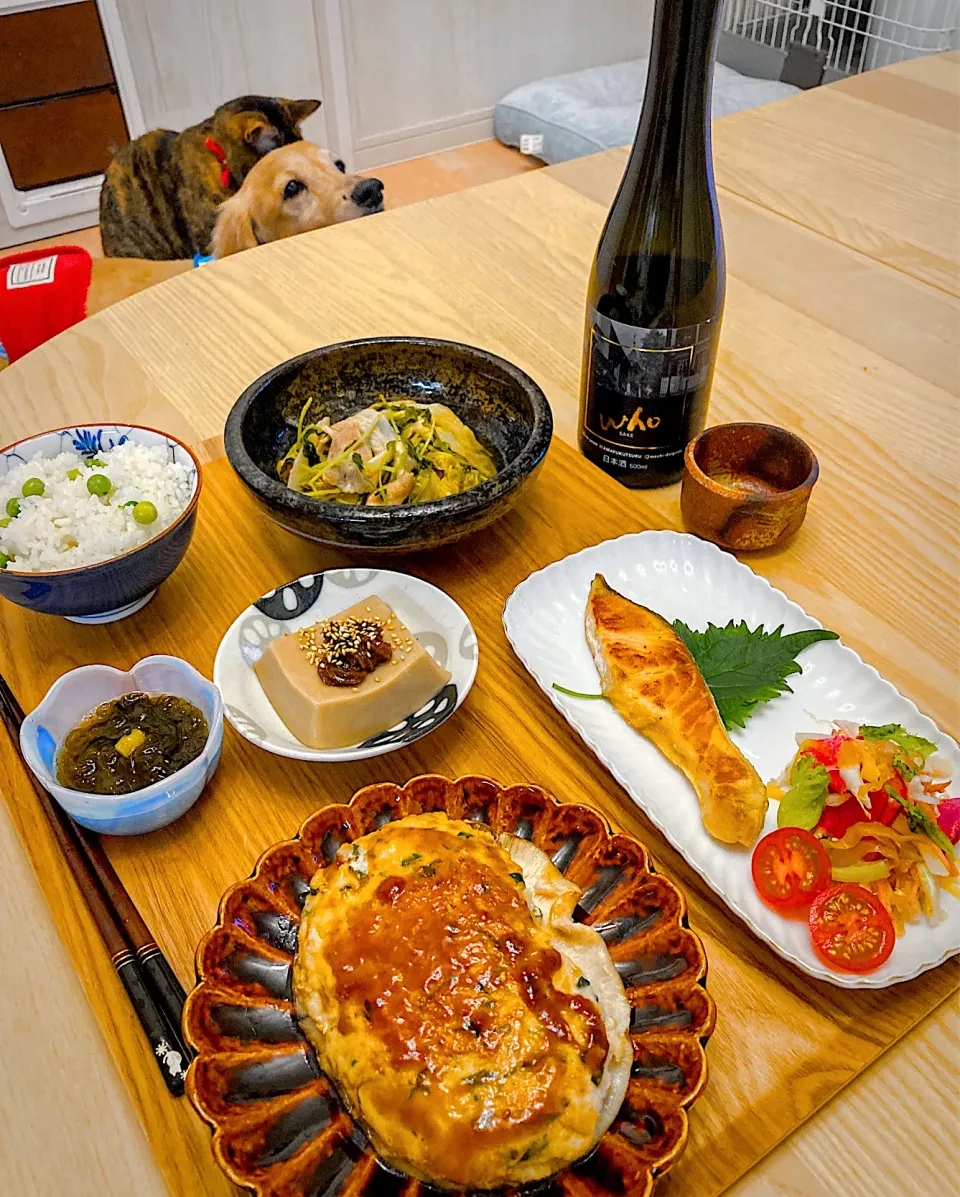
(395, 451)
(471, 1026)
(130, 742)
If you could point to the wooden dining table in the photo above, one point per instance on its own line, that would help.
(842, 323)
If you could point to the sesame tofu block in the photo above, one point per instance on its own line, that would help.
(331, 684)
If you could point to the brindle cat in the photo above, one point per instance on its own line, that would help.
(161, 192)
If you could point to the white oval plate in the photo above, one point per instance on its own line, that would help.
(685, 578)
(430, 615)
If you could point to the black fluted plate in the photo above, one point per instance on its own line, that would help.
(278, 1125)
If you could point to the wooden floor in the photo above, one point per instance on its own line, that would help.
(404, 183)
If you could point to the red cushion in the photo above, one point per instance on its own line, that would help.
(42, 292)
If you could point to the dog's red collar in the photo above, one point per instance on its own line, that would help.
(226, 179)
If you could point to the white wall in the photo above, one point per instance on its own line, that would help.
(410, 75)
(423, 74)
(188, 56)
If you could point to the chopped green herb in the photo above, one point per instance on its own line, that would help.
(745, 668)
(803, 803)
(409, 860)
(464, 835)
(427, 870)
(583, 983)
(518, 877)
(921, 823)
(575, 693)
(535, 1148)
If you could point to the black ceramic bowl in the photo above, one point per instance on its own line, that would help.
(121, 585)
(504, 407)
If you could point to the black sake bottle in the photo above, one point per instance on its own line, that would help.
(656, 289)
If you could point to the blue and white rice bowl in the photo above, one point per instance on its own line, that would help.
(99, 591)
(75, 695)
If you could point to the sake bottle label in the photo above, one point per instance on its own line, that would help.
(646, 392)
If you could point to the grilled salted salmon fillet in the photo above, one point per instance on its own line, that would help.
(648, 674)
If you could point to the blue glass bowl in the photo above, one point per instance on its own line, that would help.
(117, 587)
(74, 695)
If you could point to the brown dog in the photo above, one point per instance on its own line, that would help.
(161, 192)
(293, 190)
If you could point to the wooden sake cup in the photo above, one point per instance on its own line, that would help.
(746, 486)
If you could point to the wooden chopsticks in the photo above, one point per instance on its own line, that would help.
(155, 993)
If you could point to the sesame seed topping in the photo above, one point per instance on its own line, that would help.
(351, 645)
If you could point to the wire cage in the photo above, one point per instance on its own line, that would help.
(847, 36)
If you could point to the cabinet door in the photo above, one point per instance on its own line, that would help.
(56, 140)
(49, 51)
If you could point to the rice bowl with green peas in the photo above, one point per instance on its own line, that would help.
(69, 511)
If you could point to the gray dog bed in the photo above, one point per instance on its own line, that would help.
(598, 108)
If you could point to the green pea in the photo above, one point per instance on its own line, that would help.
(32, 486)
(73, 475)
(13, 508)
(4, 522)
(145, 512)
(3, 560)
(99, 484)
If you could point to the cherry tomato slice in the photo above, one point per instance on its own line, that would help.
(790, 867)
(851, 929)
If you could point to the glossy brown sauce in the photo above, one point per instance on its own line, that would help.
(169, 733)
(437, 959)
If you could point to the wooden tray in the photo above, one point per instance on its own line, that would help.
(784, 1044)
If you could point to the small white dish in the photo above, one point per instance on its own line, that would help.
(682, 577)
(439, 624)
(75, 695)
